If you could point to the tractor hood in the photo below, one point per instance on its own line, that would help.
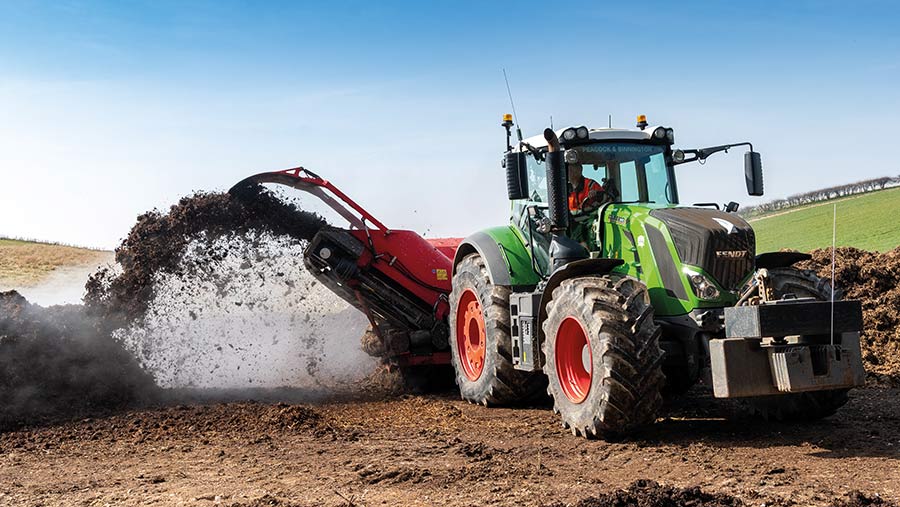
(722, 244)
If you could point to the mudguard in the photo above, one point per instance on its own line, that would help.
(585, 267)
(771, 260)
(507, 260)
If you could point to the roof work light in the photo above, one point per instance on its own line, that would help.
(573, 133)
(661, 133)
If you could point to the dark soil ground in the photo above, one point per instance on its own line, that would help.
(437, 450)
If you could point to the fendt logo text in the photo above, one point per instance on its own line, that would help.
(732, 254)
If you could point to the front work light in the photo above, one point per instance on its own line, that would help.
(568, 134)
(581, 132)
(703, 287)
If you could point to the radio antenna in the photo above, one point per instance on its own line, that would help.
(513, 105)
(833, 241)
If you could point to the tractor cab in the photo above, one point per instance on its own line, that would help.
(602, 166)
(580, 193)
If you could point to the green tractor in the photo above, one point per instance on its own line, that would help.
(607, 294)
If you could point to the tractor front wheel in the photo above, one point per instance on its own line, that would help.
(480, 345)
(603, 359)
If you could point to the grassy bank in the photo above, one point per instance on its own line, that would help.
(27, 263)
(869, 221)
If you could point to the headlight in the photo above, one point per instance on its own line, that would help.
(678, 156)
(703, 287)
(659, 133)
(568, 134)
(581, 132)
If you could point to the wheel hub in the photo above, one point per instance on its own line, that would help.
(573, 360)
(471, 337)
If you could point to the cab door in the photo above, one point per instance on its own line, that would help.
(528, 214)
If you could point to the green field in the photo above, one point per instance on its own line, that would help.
(869, 221)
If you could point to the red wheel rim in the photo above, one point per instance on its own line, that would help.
(573, 360)
(470, 335)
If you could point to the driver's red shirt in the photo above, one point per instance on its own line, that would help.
(580, 194)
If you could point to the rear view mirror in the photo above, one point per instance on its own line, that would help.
(753, 173)
(516, 177)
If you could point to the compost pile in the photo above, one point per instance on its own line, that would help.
(874, 279)
(60, 361)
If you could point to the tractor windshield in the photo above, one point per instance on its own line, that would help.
(635, 172)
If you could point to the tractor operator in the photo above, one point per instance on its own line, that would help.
(585, 194)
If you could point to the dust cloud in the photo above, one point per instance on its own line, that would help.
(59, 361)
(242, 311)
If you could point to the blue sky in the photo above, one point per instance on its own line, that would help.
(110, 109)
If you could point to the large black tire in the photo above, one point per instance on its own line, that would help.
(808, 406)
(494, 381)
(801, 283)
(622, 390)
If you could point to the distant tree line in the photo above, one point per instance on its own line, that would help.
(824, 194)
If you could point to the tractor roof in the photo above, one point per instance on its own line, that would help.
(538, 141)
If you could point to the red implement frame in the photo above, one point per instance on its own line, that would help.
(308, 181)
(422, 267)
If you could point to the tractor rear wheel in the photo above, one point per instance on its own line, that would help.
(481, 347)
(603, 359)
(807, 406)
